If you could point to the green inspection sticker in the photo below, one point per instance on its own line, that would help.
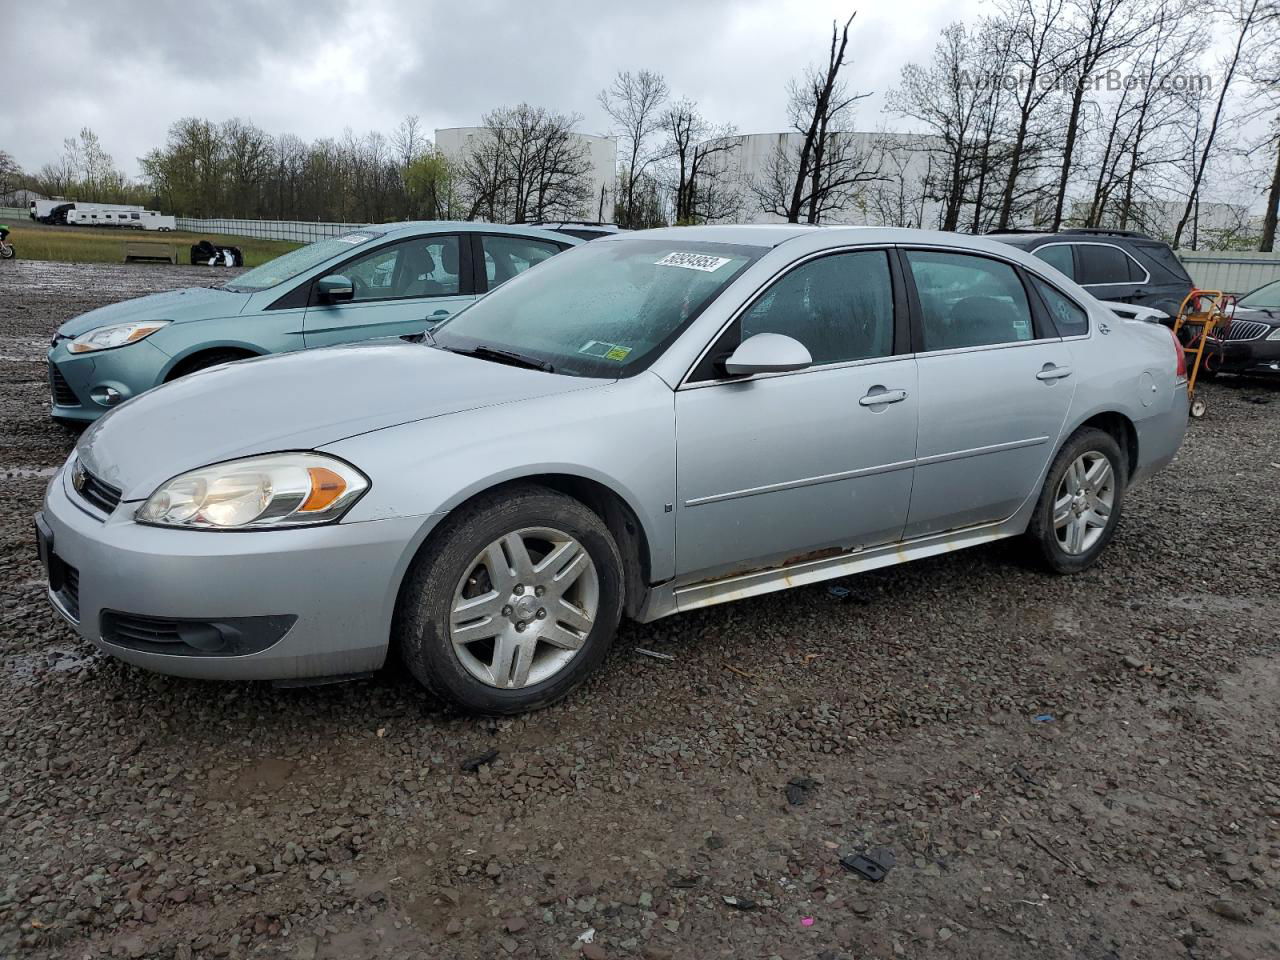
(605, 351)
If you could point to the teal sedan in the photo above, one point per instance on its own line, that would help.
(382, 281)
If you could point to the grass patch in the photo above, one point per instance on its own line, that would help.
(87, 245)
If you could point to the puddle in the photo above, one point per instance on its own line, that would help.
(28, 473)
(30, 668)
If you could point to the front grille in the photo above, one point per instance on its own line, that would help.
(127, 629)
(1243, 330)
(99, 494)
(70, 591)
(60, 390)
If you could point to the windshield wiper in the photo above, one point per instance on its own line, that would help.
(509, 357)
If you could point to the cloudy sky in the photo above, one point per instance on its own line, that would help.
(129, 69)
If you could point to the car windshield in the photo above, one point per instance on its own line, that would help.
(1264, 298)
(605, 309)
(296, 262)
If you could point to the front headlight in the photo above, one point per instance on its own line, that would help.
(116, 335)
(275, 490)
(1274, 334)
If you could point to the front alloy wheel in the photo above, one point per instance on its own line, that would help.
(525, 608)
(512, 602)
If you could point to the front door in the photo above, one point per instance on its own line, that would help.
(402, 288)
(773, 469)
(995, 387)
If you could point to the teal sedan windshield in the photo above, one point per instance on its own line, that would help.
(605, 309)
(296, 262)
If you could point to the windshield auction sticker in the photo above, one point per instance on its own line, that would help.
(693, 261)
(354, 238)
(605, 351)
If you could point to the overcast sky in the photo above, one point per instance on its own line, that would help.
(129, 69)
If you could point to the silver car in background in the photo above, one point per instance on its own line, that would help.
(647, 424)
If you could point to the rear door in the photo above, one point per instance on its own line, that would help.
(401, 288)
(995, 386)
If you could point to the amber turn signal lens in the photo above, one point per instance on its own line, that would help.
(326, 487)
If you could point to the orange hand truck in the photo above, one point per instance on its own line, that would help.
(1199, 327)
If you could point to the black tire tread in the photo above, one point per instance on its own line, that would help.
(1040, 531)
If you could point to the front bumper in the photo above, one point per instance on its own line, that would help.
(1247, 356)
(340, 582)
(74, 377)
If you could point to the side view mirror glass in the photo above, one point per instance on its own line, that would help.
(767, 353)
(335, 288)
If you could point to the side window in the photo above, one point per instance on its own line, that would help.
(1102, 263)
(1058, 255)
(1069, 318)
(840, 307)
(504, 257)
(424, 267)
(968, 301)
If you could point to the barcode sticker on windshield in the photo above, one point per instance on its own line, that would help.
(693, 261)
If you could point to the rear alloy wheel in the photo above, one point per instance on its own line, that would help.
(1080, 503)
(513, 603)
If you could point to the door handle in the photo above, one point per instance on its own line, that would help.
(877, 396)
(1053, 372)
(439, 313)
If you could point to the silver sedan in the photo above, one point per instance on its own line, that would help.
(647, 424)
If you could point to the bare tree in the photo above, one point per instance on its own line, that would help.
(698, 153)
(820, 166)
(1097, 32)
(634, 103)
(1245, 17)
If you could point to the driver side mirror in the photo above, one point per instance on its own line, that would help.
(767, 353)
(335, 288)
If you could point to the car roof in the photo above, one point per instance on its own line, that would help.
(773, 234)
(469, 226)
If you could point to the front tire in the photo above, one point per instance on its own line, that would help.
(1079, 506)
(514, 602)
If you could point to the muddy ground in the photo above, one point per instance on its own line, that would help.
(1075, 767)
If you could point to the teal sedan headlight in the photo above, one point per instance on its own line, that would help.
(116, 335)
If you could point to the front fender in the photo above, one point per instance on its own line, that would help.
(620, 435)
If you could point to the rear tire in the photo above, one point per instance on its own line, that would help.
(1080, 503)
(455, 652)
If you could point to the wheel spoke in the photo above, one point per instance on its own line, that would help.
(566, 613)
(560, 636)
(472, 629)
(472, 608)
(570, 572)
(1075, 535)
(500, 574)
(1098, 475)
(559, 556)
(1061, 512)
(1094, 519)
(505, 652)
(521, 563)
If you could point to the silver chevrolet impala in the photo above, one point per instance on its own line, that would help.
(644, 425)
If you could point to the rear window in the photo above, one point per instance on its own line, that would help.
(1160, 256)
(1104, 263)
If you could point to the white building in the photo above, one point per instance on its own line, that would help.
(602, 152)
(896, 165)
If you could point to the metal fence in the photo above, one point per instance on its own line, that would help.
(299, 231)
(1230, 270)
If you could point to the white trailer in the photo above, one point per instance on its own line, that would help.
(154, 220)
(96, 214)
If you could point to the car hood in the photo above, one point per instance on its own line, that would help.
(295, 401)
(191, 303)
(1269, 315)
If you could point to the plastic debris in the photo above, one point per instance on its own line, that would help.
(740, 903)
(654, 654)
(1043, 718)
(840, 592)
(874, 865)
(798, 789)
(806, 921)
(475, 763)
(587, 936)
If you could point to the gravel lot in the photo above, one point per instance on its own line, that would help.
(144, 816)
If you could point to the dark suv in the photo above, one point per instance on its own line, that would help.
(1116, 265)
